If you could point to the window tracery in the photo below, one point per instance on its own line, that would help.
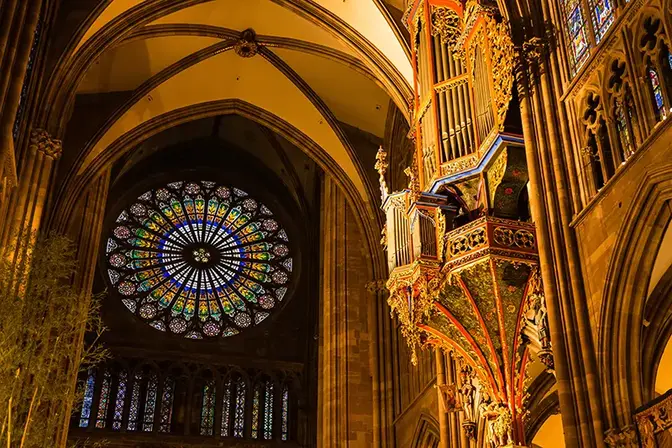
(260, 409)
(199, 259)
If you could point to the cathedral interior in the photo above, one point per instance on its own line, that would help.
(336, 223)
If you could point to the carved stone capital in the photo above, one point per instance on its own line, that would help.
(626, 437)
(41, 141)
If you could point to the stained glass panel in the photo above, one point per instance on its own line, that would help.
(255, 411)
(239, 415)
(623, 130)
(150, 404)
(657, 91)
(198, 259)
(285, 413)
(226, 409)
(167, 404)
(576, 31)
(104, 401)
(669, 59)
(134, 409)
(268, 411)
(89, 388)
(603, 16)
(208, 409)
(119, 401)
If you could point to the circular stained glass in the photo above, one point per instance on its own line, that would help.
(199, 259)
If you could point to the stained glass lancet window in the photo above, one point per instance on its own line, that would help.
(119, 402)
(602, 12)
(239, 414)
(208, 408)
(150, 404)
(134, 409)
(255, 410)
(226, 409)
(89, 388)
(285, 413)
(577, 34)
(104, 400)
(168, 394)
(199, 259)
(656, 90)
(268, 410)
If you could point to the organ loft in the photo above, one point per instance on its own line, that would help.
(336, 223)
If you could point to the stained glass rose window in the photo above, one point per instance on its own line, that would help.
(199, 259)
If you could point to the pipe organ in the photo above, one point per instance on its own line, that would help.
(462, 254)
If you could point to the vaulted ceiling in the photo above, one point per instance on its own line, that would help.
(321, 64)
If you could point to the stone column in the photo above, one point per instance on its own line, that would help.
(26, 203)
(18, 20)
(84, 227)
(444, 426)
(552, 198)
(345, 387)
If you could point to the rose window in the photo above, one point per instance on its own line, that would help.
(199, 259)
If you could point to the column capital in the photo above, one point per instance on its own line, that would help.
(42, 141)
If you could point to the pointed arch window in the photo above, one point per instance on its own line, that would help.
(226, 409)
(623, 130)
(150, 403)
(268, 410)
(602, 12)
(255, 411)
(239, 413)
(167, 398)
(134, 409)
(657, 92)
(119, 400)
(104, 400)
(577, 33)
(285, 413)
(208, 408)
(89, 387)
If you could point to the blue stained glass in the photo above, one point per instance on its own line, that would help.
(669, 59)
(150, 404)
(576, 29)
(603, 17)
(654, 81)
(119, 402)
(195, 258)
(88, 399)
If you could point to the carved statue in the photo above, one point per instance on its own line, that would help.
(381, 166)
(499, 423)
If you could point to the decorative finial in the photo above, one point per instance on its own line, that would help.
(381, 167)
